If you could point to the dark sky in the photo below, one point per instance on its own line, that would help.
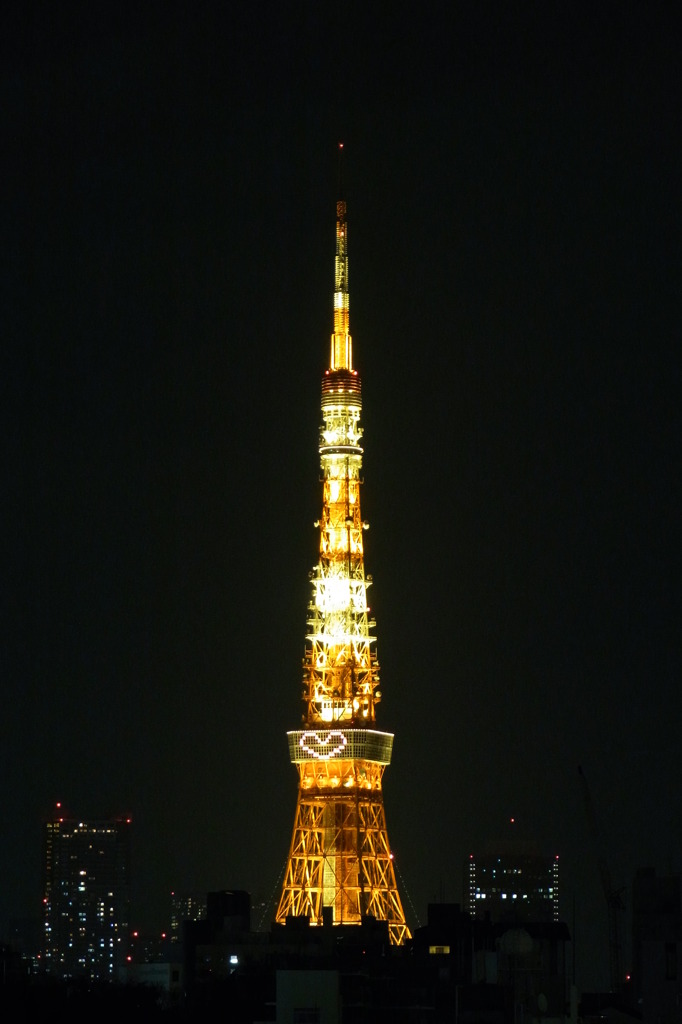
(512, 175)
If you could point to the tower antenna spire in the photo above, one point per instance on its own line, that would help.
(341, 357)
(341, 193)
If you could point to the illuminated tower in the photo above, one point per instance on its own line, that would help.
(340, 860)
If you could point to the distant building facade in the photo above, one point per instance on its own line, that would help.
(512, 883)
(86, 897)
(185, 906)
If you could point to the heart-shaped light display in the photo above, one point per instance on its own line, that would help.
(322, 745)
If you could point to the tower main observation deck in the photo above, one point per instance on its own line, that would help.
(340, 859)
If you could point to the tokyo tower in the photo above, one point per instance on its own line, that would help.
(340, 866)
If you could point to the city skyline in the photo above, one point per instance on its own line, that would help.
(513, 206)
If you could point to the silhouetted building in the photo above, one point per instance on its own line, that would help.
(453, 969)
(26, 936)
(657, 946)
(86, 897)
(485, 970)
(513, 882)
(211, 944)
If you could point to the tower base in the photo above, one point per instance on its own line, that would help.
(340, 856)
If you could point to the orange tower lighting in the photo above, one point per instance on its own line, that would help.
(340, 858)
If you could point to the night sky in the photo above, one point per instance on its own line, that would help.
(512, 175)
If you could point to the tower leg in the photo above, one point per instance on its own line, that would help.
(340, 858)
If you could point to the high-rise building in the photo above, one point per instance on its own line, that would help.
(512, 882)
(86, 897)
(340, 868)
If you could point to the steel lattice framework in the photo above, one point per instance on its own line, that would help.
(340, 856)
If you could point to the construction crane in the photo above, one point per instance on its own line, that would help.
(615, 904)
